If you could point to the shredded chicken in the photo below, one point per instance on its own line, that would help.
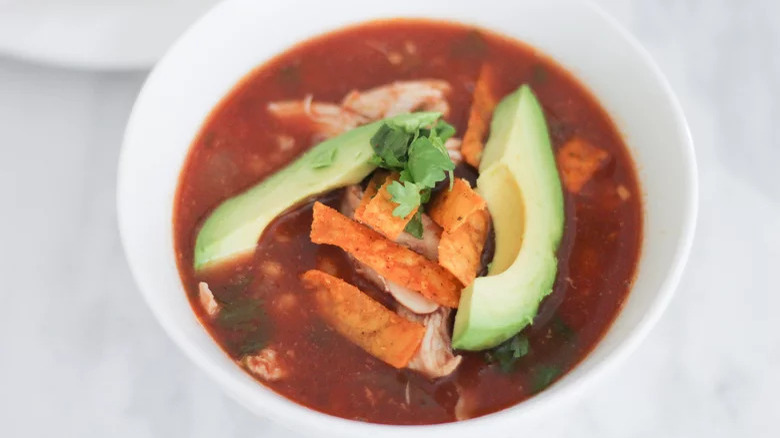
(435, 357)
(207, 301)
(464, 408)
(429, 244)
(285, 142)
(266, 365)
(329, 119)
(361, 107)
(453, 149)
(623, 192)
(399, 98)
(409, 298)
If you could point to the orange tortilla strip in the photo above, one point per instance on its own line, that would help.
(378, 211)
(460, 250)
(578, 161)
(389, 259)
(451, 208)
(368, 324)
(479, 117)
(371, 190)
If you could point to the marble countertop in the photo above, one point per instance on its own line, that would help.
(81, 355)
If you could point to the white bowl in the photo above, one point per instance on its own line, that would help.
(238, 35)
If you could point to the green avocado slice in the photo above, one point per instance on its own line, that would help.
(235, 226)
(520, 183)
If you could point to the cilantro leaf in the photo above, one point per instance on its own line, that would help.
(415, 226)
(428, 161)
(444, 130)
(405, 176)
(390, 144)
(413, 122)
(240, 314)
(406, 195)
(507, 354)
(425, 196)
(324, 158)
(543, 376)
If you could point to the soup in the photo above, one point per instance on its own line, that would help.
(383, 318)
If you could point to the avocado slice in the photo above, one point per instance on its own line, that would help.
(519, 180)
(236, 225)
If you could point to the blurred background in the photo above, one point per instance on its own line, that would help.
(81, 355)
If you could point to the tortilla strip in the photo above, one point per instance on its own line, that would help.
(451, 208)
(479, 117)
(368, 324)
(378, 211)
(389, 259)
(460, 250)
(374, 183)
(578, 161)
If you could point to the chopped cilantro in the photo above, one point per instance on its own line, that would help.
(428, 162)
(290, 75)
(472, 45)
(254, 341)
(538, 74)
(507, 354)
(543, 376)
(390, 144)
(240, 313)
(561, 329)
(413, 122)
(406, 195)
(444, 130)
(324, 158)
(413, 145)
(414, 226)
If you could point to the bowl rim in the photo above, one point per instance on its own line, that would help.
(530, 407)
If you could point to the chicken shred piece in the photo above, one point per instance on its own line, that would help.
(429, 244)
(329, 119)
(453, 150)
(266, 365)
(399, 98)
(464, 407)
(207, 300)
(435, 358)
(361, 107)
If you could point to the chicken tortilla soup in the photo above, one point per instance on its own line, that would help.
(408, 222)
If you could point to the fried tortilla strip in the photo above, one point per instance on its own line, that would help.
(392, 261)
(460, 250)
(451, 208)
(378, 211)
(578, 161)
(479, 118)
(371, 190)
(368, 324)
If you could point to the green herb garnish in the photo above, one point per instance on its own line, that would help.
(562, 330)
(415, 226)
(254, 341)
(324, 158)
(543, 377)
(240, 314)
(507, 354)
(413, 145)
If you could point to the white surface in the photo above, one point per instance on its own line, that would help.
(80, 354)
(94, 34)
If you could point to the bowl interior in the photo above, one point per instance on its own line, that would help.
(238, 35)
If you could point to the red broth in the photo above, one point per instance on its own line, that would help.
(237, 147)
